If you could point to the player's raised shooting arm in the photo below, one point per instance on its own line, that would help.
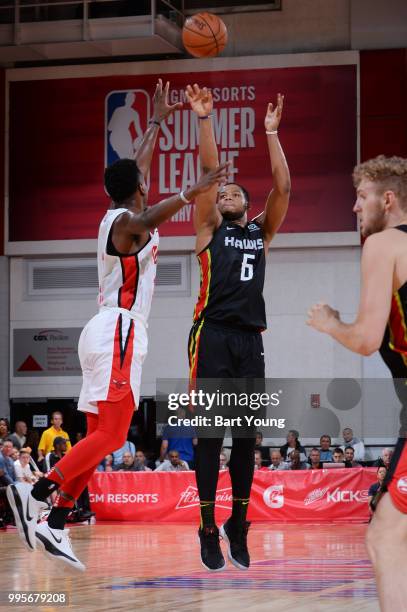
(161, 110)
(365, 334)
(150, 218)
(206, 215)
(277, 202)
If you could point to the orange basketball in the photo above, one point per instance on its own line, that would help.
(204, 35)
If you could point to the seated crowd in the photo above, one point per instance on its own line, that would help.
(176, 454)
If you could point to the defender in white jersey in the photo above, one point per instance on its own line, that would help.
(110, 357)
(113, 344)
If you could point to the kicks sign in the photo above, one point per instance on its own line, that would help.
(337, 495)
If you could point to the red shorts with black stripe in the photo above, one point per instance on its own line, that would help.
(396, 478)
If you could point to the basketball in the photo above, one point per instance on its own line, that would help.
(204, 35)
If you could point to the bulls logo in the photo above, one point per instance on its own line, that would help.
(402, 485)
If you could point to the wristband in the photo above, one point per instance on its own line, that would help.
(184, 199)
(154, 122)
(272, 132)
(205, 116)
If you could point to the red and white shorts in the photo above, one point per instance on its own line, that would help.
(112, 348)
(396, 478)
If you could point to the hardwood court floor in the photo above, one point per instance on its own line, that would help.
(301, 568)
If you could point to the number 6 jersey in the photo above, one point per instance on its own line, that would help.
(232, 277)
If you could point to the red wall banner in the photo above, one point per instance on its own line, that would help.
(383, 127)
(64, 131)
(311, 496)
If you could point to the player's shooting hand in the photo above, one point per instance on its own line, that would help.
(160, 101)
(200, 100)
(321, 317)
(273, 115)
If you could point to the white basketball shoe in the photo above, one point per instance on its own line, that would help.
(26, 510)
(57, 545)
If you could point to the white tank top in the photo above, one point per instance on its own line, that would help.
(126, 281)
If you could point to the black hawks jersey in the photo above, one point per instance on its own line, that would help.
(232, 277)
(394, 346)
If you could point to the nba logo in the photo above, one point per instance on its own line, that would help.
(126, 118)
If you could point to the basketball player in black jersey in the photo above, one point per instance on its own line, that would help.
(225, 340)
(381, 324)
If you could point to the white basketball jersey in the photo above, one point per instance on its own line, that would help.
(126, 281)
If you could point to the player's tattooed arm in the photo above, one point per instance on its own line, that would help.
(206, 215)
(365, 334)
(277, 202)
(161, 110)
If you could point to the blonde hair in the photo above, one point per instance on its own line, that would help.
(389, 174)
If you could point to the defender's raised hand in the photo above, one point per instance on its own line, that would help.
(160, 101)
(273, 115)
(208, 179)
(200, 100)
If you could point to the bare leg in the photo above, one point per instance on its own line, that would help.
(386, 542)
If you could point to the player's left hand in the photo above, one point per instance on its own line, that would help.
(273, 115)
(160, 101)
(201, 100)
(321, 317)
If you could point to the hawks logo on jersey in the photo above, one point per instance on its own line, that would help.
(232, 277)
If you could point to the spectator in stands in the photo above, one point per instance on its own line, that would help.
(223, 461)
(181, 438)
(118, 454)
(356, 444)
(4, 429)
(338, 455)
(15, 453)
(140, 462)
(376, 486)
(295, 461)
(19, 436)
(293, 444)
(127, 464)
(258, 460)
(60, 448)
(385, 458)
(7, 470)
(109, 463)
(22, 467)
(78, 436)
(325, 452)
(6, 515)
(33, 440)
(174, 464)
(350, 457)
(277, 462)
(106, 465)
(264, 450)
(46, 444)
(314, 461)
